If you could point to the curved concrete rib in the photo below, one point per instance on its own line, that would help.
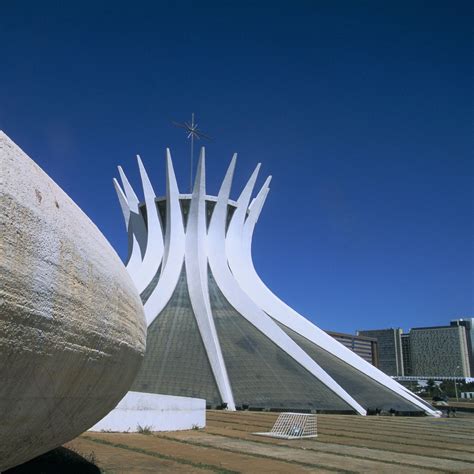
(154, 244)
(247, 232)
(123, 202)
(136, 219)
(234, 232)
(173, 250)
(197, 278)
(239, 299)
(134, 258)
(241, 264)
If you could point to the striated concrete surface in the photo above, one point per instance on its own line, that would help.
(72, 328)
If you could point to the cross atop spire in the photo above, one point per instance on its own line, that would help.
(192, 132)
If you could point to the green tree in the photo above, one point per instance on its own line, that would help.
(431, 387)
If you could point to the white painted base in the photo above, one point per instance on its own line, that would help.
(155, 412)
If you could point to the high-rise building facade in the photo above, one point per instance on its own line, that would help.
(364, 346)
(435, 351)
(406, 355)
(439, 351)
(468, 324)
(389, 349)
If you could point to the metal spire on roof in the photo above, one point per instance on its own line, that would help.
(192, 133)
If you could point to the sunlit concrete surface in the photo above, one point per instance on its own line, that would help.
(72, 328)
(147, 411)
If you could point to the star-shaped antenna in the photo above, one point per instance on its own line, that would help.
(192, 129)
(192, 133)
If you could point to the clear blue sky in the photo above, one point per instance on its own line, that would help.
(361, 111)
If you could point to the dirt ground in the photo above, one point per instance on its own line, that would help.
(344, 444)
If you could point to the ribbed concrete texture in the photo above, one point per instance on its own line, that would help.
(72, 328)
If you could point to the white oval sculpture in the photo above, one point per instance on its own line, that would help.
(72, 328)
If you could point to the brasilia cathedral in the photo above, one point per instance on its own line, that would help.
(215, 331)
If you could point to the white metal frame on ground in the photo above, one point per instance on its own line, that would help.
(293, 426)
(228, 255)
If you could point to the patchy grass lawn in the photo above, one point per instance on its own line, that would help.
(344, 444)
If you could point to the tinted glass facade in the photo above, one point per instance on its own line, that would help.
(175, 360)
(406, 352)
(365, 347)
(390, 349)
(261, 374)
(369, 393)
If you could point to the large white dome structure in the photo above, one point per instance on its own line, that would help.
(215, 331)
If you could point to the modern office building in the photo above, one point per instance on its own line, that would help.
(436, 351)
(406, 355)
(468, 324)
(389, 349)
(364, 346)
(439, 351)
(215, 330)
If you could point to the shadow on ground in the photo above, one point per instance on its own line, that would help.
(58, 461)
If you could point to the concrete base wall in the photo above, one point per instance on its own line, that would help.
(156, 412)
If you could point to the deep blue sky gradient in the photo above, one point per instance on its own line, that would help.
(361, 111)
